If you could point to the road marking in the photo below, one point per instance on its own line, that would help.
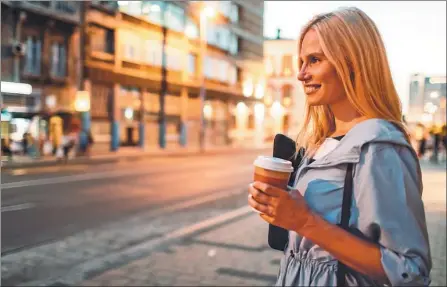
(82, 177)
(17, 207)
(70, 178)
(46, 169)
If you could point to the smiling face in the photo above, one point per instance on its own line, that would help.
(321, 83)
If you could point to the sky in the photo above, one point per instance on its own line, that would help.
(414, 32)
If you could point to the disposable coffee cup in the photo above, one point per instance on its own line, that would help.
(273, 171)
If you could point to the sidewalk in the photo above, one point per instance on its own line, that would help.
(233, 255)
(237, 254)
(99, 157)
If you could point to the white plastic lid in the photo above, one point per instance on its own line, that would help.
(273, 163)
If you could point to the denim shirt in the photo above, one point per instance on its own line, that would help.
(387, 189)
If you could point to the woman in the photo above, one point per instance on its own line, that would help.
(353, 116)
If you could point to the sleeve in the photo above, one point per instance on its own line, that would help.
(387, 190)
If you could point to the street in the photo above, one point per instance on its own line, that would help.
(44, 205)
(154, 221)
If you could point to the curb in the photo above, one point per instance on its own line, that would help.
(102, 264)
(113, 158)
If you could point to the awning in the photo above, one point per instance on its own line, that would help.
(16, 88)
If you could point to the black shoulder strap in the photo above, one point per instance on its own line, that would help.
(345, 215)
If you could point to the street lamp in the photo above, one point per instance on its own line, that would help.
(82, 105)
(207, 12)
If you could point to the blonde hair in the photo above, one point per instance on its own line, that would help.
(352, 43)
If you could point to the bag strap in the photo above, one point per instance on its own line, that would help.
(345, 215)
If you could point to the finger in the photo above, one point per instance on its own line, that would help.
(267, 218)
(262, 208)
(268, 189)
(259, 196)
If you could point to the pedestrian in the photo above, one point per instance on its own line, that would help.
(436, 136)
(354, 141)
(25, 143)
(6, 150)
(444, 139)
(421, 138)
(69, 142)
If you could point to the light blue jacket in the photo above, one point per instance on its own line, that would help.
(387, 189)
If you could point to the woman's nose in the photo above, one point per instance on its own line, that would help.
(303, 75)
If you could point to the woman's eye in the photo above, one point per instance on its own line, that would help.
(314, 60)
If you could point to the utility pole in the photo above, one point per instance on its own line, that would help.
(164, 84)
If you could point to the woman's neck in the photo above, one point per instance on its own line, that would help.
(345, 117)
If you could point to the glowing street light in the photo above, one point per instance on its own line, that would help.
(247, 88)
(259, 111)
(82, 102)
(259, 92)
(241, 108)
(434, 95)
(128, 113)
(208, 111)
(276, 109)
(209, 11)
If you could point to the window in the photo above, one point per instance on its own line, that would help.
(132, 46)
(208, 69)
(286, 124)
(232, 75)
(154, 11)
(224, 39)
(191, 29)
(102, 39)
(130, 91)
(175, 17)
(159, 12)
(287, 95)
(211, 34)
(174, 58)
(225, 7)
(234, 14)
(251, 122)
(33, 55)
(153, 52)
(269, 65)
(192, 60)
(287, 65)
(69, 7)
(58, 59)
(233, 44)
(223, 71)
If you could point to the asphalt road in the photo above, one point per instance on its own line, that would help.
(46, 204)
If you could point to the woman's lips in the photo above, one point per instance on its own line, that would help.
(311, 89)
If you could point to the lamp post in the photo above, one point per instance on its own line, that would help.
(164, 84)
(205, 13)
(82, 105)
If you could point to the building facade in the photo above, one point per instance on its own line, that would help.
(113, 51)
(284, 98)
(40, 63)
(124, 69)
(427, 100)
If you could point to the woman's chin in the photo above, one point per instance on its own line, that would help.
(314, 100)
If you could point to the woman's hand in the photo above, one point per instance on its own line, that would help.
(279, 207)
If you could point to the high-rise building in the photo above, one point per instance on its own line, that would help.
(124, 71)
